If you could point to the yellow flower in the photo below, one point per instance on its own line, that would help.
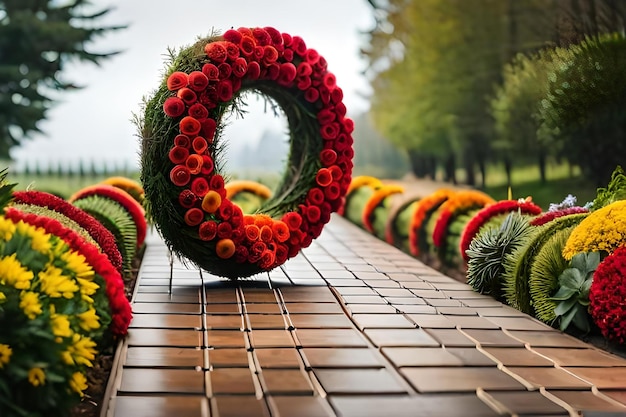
(30, 304)
(81, 352)
(55, 284)
(40, 240)
(13, 273)
(7, 229)
(602, 230)
(36, 377)
(89, 320)
(5, 354)
(87, 288)
(78, 383)
(60, 324)
(78, 264)
(2, 297)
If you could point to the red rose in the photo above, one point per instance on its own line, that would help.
(303, 83)
(280, 231)
(340, 109)
(190, 126)
(177, 80)
(324, 94)
(236, 218)
(287, 39)
(198, 80)
(270, 54)
(187, 95)
(180, 175)
(288, 55)
(199, 186)
(241, 254)
(333, 191)
(247, 45)
(343, 142)
(326, 116)
(348, 153)
(182, 140)
(231, 35)
(216, 51)
(282, 253)
(335, 172)
(225, 90)
(321, 64)
(315, 196)
(217, 182)
(311, 95)
(194, 163)
(178, 154)
(207, 230)
(262, 37)
(225, 70)
(298, 45)
(258, 52)
(194, 216)
(173, 107)
(304, 69)
(267, 259)
(313, 214)
(224, 230)
(336, 95)
(293, 220)
(240, 67)
(208, 128)
(207, 165)
(275, 36)
(232, 50)
(330, 81)
(273, 71)
(226, 210)
(252, 232)
(311, 56)
(254, 70)
(348, 125)
(198, 111)
(187, 198)
(266, 234)
(211, 71)
(287, 73)
(328, 157)
(199, 145)
(330, 131)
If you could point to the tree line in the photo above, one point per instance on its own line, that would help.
(461, 84)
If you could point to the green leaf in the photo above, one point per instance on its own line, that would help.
(581, 319)
(564, 307)
(567, 319)
(563, 293)
(571, 278)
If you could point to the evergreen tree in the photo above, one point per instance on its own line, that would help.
(37, 39)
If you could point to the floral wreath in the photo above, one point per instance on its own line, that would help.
(181, 167)
(376, 199)
(425, 207)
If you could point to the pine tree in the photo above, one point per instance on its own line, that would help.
(37, 39)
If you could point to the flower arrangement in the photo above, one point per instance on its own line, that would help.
(454, 214)
(50, 315)
(376, 208)
(129, 185)
(181, 168)
(121, 197)
(517, 265)
(425, 208)
(494, 212)
(249, 195)
(488, 250)
(601, 231)
(397, 227)
(607, 297)
(103, 237)
(566, 207)
(360, 190)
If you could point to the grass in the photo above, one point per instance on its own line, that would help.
(561, 181)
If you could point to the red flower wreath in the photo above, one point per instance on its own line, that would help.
(607, 296)
(195, 100)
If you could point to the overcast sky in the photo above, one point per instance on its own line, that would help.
(94, 123)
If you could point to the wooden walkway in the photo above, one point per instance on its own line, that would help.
(350, 327)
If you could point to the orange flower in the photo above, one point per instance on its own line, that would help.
(194, 163)
(189, 126)
(177, 80)
(225, 248)
(362, 180)
(266, 233)
(199, 144)
(280, 230)
(211, 201)
(262, 220)
(252, 232)
(375, 199)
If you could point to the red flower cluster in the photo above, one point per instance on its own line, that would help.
(251, 55)
(492, 210)
(551, 215)
(607, 296)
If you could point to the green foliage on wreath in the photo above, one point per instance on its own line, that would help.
(488, 250)
(573, 294)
